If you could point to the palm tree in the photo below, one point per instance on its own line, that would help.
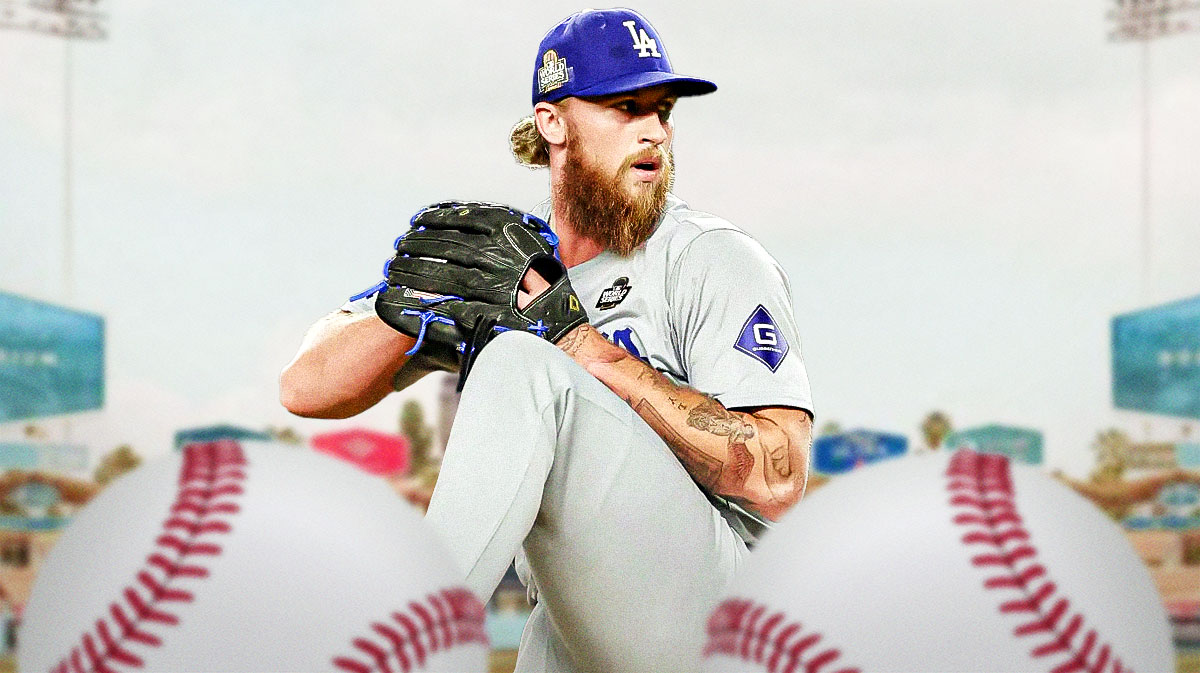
(935, 427)
(1111, 447)
(116, 463)
(420, 435)
(830, 428)
(285, 435)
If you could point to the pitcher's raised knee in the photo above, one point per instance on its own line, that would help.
(513, 359)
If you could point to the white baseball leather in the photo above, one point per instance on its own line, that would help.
(947, 562)
(250, 556)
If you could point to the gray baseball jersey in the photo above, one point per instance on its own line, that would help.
(703, 303)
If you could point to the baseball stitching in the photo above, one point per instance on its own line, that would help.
(737, 628)
(446, 619)
(210, 482)
(981, 488)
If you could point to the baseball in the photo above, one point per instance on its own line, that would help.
(250, 556)
(946, 562)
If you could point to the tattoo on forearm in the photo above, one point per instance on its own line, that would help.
(711, 416)
(703, 467)
(741, 464)
(571, 342)
(779, 460)
(656, 379)
(778, 455)
(777, 468)
(574, 344)
(652, 394)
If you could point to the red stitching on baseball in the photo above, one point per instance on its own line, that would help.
(174, 568)
(209, 472)
(396, 640)
(443, 619)
(777, 649)
(1017, 581)
(113, 646)
(414, 634)
(459, 620)
(129, 627)
(980, 485)
(184, 546)
(197, 527)
(199, 508)
(427, 624)
(736, 629)
(144, 611)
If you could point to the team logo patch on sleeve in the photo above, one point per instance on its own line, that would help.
(615, 294)
(761, 339)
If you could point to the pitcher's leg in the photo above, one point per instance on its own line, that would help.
(542, 649)
(627, 553)
(497, 458)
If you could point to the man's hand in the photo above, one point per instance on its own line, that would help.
(532, 286)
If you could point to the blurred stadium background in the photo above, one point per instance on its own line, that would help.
(1132, 446)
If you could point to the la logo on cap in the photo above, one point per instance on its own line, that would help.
(554, 71)
(645, 45)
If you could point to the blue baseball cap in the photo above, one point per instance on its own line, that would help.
(598, 52)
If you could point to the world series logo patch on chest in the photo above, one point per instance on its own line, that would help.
(615, 294)
(761, 339)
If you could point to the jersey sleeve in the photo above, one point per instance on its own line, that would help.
(731, 315)
(359, 305)
(364, 302)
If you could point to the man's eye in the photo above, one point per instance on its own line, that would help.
(627, 106)
(664, 113)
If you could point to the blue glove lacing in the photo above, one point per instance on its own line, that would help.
(428, 317)
(544, 231)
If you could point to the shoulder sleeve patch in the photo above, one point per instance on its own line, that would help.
(761, 339)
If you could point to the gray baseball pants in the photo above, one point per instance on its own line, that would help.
(627, 555)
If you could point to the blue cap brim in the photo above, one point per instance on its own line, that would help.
(680, 85)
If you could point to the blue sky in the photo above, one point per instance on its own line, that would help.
(953, 189)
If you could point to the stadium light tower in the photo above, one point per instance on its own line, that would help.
(70, 20)
(1143, 21)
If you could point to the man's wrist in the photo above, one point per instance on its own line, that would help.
(587, 346)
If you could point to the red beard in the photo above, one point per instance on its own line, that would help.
(601, 209)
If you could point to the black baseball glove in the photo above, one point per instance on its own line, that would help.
(453, 283)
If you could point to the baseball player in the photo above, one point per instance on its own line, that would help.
(635, 408)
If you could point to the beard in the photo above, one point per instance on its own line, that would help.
(600, 207)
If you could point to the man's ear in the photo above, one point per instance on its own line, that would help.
(550, 122)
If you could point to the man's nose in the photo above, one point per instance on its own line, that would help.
(653, 129)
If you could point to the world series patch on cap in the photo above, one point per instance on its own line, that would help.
(597, 52)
